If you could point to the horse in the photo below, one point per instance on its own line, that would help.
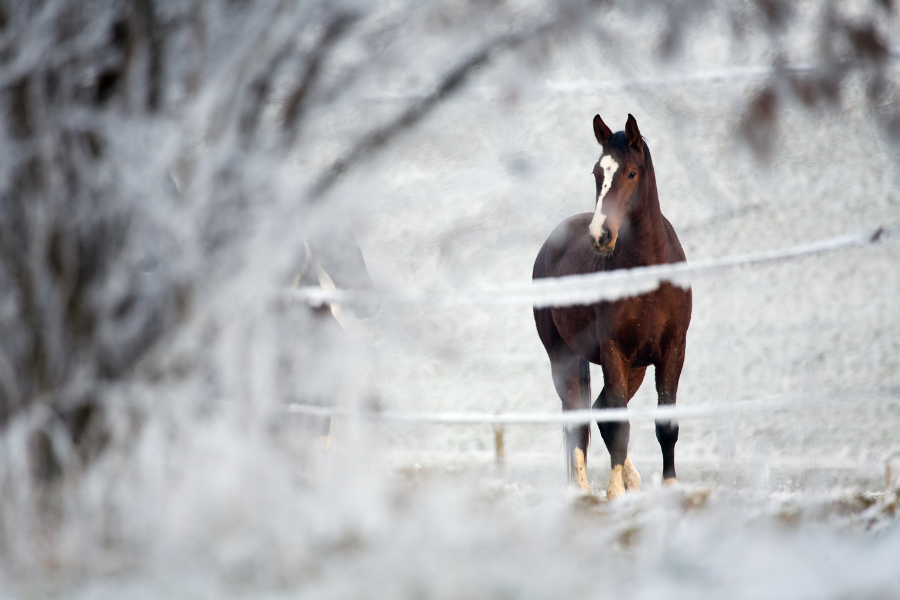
(331, 259)
(626, 229)
(336, 261)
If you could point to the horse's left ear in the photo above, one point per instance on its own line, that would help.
(634, 134)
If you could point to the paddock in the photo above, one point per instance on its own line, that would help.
(789, 397)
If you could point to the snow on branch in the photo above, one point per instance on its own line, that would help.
(711, 76)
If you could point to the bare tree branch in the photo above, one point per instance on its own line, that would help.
(450, 84)
(296, 103)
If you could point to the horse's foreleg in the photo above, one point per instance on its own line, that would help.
(615, 434)
(569, 379)
(667, 375)
(630, 475)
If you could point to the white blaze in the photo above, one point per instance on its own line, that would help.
(609, 166)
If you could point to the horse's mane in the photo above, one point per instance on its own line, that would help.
(619, 141)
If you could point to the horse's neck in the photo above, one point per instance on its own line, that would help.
(647, 241)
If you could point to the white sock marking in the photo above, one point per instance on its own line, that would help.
(609, 166)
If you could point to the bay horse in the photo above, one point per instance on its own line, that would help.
(627, 229)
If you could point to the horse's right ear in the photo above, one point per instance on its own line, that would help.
(601, 131)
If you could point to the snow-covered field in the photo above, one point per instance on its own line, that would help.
(785, 497)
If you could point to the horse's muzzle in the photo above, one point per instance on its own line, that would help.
(605, 244)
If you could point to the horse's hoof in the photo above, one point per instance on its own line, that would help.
(630, 476)
(670, 482)
(616, 483)
(580, 474)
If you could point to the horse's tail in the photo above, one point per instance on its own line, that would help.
(584, 382)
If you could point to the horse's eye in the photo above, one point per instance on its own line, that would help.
(632, 174)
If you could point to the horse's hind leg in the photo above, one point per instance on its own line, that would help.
(667, 375)
(570, 376)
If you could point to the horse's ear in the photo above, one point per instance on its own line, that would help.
(634, 134)
(601, 131)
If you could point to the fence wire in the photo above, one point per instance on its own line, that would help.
(594, 287)
(789, 402)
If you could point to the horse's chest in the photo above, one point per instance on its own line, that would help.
(644, 328)
(639, 328)
(632, 323)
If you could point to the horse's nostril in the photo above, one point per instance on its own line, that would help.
(605, 236)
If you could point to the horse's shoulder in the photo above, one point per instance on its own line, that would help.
(563, 239)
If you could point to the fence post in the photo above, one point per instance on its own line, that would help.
(889, 472)
(498, 443)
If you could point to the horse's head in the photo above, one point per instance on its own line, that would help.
(619, 174)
